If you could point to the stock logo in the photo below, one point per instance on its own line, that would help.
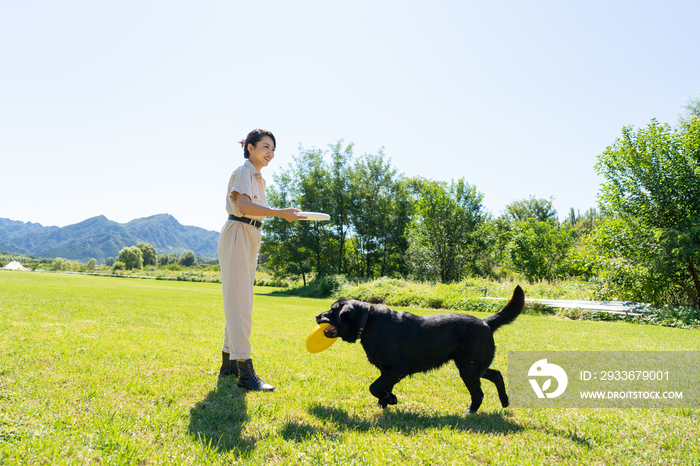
(544, 369)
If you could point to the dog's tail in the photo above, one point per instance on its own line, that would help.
(509, 312)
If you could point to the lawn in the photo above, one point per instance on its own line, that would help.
(119, 371)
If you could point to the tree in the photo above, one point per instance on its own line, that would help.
(369, 204)
(91, 265)
(620, 250)
(445, 235)
(131, 257)
(167, 259)
(339, 208)
(692, 110)
(148, 253)
(283, 243)
(312, 180)
(583, 224)
(393, 238)
(72, 266)
(652, 193)
(118, 266)
(109, 261)
(58, 264)
(538, 248)
(187, 259)
(538, 209)
(380, 211)
(498, 233)
(297, 249)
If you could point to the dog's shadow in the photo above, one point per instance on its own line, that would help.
(402, 421)
(407, 422)
(218, 420)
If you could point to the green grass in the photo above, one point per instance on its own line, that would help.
(103, 370)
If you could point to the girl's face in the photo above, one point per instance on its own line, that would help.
(262, 153)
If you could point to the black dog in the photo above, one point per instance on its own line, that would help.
(401, 343)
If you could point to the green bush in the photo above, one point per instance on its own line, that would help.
(673, 316)
(91, 265)
(187, 259)
(271, 281)
(149, 254)
(192, 276)
(667, 316)
(58, 264)
(131, 257)
(320, 287)
(119, 266)
(173, 267)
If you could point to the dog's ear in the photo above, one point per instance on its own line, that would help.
(345, 314)
(347, 322)
(350, 318)
(337, 304)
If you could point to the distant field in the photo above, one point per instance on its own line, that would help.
(106, 370)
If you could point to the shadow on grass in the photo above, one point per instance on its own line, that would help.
(298, 431)
(290, 294)
(401, 421)
(407, 422)
(217, 421)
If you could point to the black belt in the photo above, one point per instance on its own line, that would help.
(249, 221)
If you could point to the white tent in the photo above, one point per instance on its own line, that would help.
(14, 265)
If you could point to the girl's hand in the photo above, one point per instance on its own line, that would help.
(290, 214)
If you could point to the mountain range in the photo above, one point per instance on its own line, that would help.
(100, 238)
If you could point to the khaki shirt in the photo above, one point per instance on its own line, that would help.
(245, 180)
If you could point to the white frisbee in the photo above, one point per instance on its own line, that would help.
(314, 216)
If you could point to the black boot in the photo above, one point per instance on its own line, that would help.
(228, 367)
(249, 380)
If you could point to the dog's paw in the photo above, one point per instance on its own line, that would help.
(388, 399)
(505, 403)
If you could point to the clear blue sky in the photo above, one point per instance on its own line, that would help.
(130, 109)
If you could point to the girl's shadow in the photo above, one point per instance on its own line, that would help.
(217, 421)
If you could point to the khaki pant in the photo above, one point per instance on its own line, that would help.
(238, 256)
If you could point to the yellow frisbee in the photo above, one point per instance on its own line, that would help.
(317, 341)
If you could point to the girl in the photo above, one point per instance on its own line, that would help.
(239, 244)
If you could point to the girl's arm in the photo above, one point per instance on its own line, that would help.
(248, 207)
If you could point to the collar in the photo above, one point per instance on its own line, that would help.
(248, 164)
(363, 323)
